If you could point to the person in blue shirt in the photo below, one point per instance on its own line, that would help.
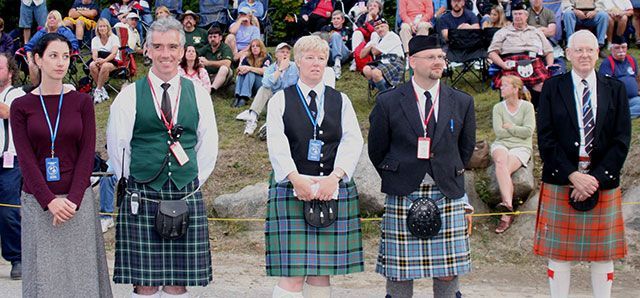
(623, 67)
(458, 18)
(54, 24)
(256, 7)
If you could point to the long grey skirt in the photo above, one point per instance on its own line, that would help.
(67, 260)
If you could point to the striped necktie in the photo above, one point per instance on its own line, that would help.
(588, 119)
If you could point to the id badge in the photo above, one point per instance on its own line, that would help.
(179, 153)
(424, 148)
(7, 160)
(52, 164)
(315, 148)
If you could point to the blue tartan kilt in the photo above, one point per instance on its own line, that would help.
(403, 256)
(146, 259)
(392, 71)
(294, 248)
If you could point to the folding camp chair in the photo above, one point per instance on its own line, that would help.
(468, 47)
(127, 68)
(175, 6)
(214, 13)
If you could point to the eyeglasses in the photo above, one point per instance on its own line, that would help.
(431, 58)
(584, 50)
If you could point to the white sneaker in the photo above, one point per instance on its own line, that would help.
(244, 115)
(250, 127)
(337, 68)
(352, 67)
(97, 96)
(106, 224)
(105, 94)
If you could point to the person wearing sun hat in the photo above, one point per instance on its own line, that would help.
(196, 36)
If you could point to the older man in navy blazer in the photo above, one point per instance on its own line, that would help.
(421, 137)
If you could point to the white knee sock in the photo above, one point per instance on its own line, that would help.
(279, 292)
(156, 295)
(601, 279)
(164, 294)
(311, 291)
(559, 273)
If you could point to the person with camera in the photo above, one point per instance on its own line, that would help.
(422, 135)
(162, 136)
(314, 143)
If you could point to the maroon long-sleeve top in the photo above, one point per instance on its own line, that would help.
(74, 146)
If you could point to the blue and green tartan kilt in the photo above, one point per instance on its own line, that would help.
(146, 259)
(392, 71)
(294, 248)
(403, 256)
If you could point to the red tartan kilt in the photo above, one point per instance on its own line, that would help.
(540, 72)
(361, 62)
(563, 233)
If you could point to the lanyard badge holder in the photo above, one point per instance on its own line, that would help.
(315, 145)
(424, 142)
(52, 164)
(174, 131)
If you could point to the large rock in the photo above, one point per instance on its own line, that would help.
(470, 188)
(523, 181)
(369, 183)
(249, 202)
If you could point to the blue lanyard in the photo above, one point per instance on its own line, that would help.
(320, 104)
(52, 132)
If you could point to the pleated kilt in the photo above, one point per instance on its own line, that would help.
(540, 72)
(392, 71)
(294, 248)
(144, 258)
(563, 233)
(403, 256)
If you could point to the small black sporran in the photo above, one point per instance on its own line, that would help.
(320, 214)
(172, 219)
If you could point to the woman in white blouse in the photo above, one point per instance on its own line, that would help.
(105, 56)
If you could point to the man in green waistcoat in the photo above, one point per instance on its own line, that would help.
(162, 136)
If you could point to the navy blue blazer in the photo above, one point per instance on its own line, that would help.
(559, 137)
(393, 140)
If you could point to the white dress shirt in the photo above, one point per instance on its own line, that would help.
(7, 96)
(123, 116)
(435, 100)
(578, 88)
(350, 146)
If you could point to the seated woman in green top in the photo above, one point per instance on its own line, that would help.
(513, 123)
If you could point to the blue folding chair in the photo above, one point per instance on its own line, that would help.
(214, 13)
(175, 6)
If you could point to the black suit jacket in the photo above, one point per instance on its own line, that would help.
(559, 137)
(393, 140)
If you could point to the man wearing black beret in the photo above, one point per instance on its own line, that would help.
(422, 135)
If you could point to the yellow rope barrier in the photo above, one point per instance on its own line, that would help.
(517, 213)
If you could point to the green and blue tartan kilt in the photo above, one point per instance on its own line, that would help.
(146, 259)
(403, 256)
(563, 233)
(392, 71)
(294, 248)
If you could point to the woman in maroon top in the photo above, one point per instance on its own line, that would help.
(54, 135)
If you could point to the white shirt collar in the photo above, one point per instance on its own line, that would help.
(156, 81)
(319, 89)
(591, 79)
